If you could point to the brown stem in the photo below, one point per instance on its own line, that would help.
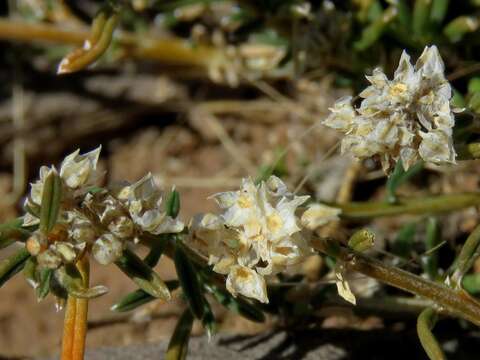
(456, 302)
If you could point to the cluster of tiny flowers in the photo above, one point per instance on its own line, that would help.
(258, 234)
(94, 220)
(406, 118)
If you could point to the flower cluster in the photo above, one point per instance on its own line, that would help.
(93, 219)
(258, 234)
(406, 118)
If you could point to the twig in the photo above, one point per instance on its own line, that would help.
(412, 206)
(167, 50)
(463, 72)
(447, 299)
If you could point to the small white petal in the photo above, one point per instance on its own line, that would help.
(319, 215)
(342, 286)
(245, 281)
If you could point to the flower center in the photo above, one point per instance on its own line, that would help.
(274, 222)
(244, 202)
(398, 89)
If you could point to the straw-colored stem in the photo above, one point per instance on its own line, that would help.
(76, 316)
(167, 50)
(69, 328)
(413, 206)
(81, 315)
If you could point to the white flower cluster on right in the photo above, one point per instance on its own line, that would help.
(407, 118)
(258, 234)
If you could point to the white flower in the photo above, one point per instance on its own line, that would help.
(76, 172)
(407, 118)
(319, 215)
(245, 281)
(144, 202)
(257, 234)
(343, 288)
(80, 170)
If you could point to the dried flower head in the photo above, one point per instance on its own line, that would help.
(143, 200)
(257, 234)
(91, 220)
(407, 118)
(77, 172)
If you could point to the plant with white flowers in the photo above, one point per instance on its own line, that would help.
(407, 118)
(258, 234)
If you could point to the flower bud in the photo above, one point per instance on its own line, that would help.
(36, 243)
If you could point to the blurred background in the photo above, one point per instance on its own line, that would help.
(201, 94)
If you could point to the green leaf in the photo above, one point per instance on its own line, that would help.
(208, 320)
(172, 205)
(432, 239)
(474, 85)
(404, 14)
(156, 250)
(143, 275)
(12, 265)
(236, 305)
(459, 27)
(399, 177)
(12, 231)
(178, 345)
(471, 283)
(421, 12)
(44, 284)
(464, 261)
(425, 322)
(30, 272)
(458, 100)
(138, 298)
(438, 11)
(403, 243)
(474, 102)
(95, 190)
(189, 281)
(51, 198)
(372, 33)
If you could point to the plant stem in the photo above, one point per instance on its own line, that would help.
(456, 302)
(69, 328)
(425, 323)
(75, 324)
(413, 206)
(467, 256)
(167, 50)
